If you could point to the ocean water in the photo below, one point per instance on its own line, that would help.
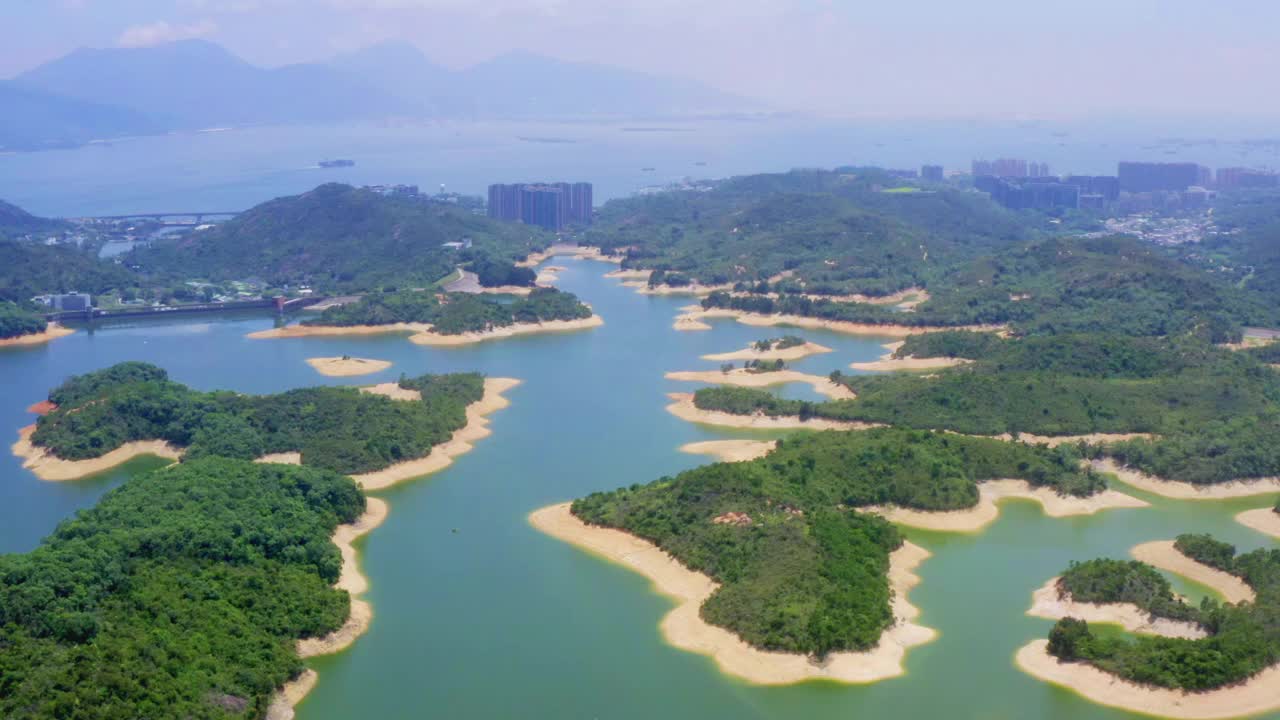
(477, 615)
(235, 169)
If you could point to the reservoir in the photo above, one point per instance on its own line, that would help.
(477, 615)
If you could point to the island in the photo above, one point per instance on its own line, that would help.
(347, 366)
(786, 348)
(378, 435)
(447, 319)
(1218, 660)
(781, 574)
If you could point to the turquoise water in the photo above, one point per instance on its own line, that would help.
(497, 620)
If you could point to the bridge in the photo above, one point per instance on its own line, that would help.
(163, 216)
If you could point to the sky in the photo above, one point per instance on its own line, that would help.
(847, 58)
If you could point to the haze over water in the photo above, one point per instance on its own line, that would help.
(497, 620)
(236, 169)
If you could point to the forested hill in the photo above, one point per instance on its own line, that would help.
(339, 238)
(192, 612)
(28, 269)
(833, 229)
(16, 223)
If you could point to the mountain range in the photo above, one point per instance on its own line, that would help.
(195, 84)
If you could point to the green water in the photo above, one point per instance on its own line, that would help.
(496, 620)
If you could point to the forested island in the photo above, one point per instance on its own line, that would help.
(797, 569)
(334, 428)
(1226, 666)
(182, 593)
(454, 313)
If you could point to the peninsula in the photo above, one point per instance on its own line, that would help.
(1227, 669)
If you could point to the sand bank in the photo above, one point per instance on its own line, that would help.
(888, 362)
(551, 326)
(296, 331)
(347, 366)
(693, 317)
(355, 583)
(1052, 603)
(795, 352)
(629, 274)
(549, 275)
(730, 450)
(442, 455)
(52, 332)
(1179, 490)
(393, 391)
(1163, 555)
(46, 466)
(990, 493)
(683, 408)
(1264, 520)
(683, 628)
(282, 458)
(1257, 695)
(742, 377)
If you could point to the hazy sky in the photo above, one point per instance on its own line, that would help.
(848, 57)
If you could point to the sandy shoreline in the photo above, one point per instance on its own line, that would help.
(52, 332)
(683, 628)
(888, 363)
(990, 493)
(795, 352)
(583, 252)
(347, 366)
(54, 469)
(742, 377)
(393, 391)
(1179, 490)
(1162, 554)
(355, 583)
(730, 450)
(694, 320)
(1253, 697)
(1264, 520)
(442, 455)
(297, 331)
(683, 408)
(1050, 603)
(551, 326)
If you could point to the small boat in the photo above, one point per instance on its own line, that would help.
(337, 163)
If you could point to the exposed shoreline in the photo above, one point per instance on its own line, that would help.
(1252, 697)
(297, 331)
(1050, 603)
(683, 628)
(795, 352)
(578, 252)
(990, 493)
(434, 339)
(356, 584)
(693, 320)
(683, 408)
(54, 469)
(50, 333)
(1264, 520)
(442, 455)
(1164, 555)
(1178, 490)
(888, 363)
(731, 450)
(47, 467)
(347, 366)
(742, 377)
